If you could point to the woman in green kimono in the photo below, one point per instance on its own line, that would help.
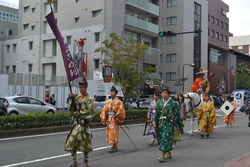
(167, 116)
(79, 139)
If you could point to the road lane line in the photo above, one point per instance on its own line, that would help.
(198, 130)
(51, 134)
(49, 158)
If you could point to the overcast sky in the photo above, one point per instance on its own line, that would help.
(239, 15)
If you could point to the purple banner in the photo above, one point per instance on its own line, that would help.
(70, 67)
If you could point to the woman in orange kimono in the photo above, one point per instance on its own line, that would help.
(206, 116)
(230, 119)
(112, 115)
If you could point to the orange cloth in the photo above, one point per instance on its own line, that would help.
(230, 118)
(112, 115)
(195, 86)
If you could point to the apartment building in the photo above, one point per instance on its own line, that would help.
(220, 61)
(39, 53)
(179, 52)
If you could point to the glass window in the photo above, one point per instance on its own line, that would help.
(34, 101)
(226, 26)
(221, 24)
(25, 26)
(97, 63)
(96, 13)
(14, 69)
(76, 19)
(212, 19)
(14, 48)
(216, 57)
(171, 39)
(221, 37)
(8, 48)
(30, 45)
(33, 9)
(97, 37)
(212, 33)
(217, 22)
(171, 20)
(217, 35)
(7, 69)
(225, 39)
(26, 9)
(171, 57)
(69, 38)
(171, 76)
(171, 3)
(161, 76)
(30, 67)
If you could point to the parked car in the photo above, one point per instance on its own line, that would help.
(24, 104)
(101, 100)
(3, 109)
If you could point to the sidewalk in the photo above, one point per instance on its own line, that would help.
(241, 161)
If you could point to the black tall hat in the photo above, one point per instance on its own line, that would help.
(113, 89)
(83, 82)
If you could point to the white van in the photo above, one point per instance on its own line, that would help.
(241, 97)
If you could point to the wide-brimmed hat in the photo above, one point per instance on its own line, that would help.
(202, 71)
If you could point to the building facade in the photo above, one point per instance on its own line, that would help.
(220, 61)
(37, 48)
(179, 51)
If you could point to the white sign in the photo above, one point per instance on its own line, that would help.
(227, 108)
(97, 75)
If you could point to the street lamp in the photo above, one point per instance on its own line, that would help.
(191, 65)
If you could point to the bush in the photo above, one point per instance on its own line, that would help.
(38, 120)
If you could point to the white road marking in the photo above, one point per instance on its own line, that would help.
(196, 130)
(49, 158)
(51, 134)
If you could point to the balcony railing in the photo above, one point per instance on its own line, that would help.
(142, 24)
(144, 5)
(152, 56)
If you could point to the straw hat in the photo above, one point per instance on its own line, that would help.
(202, 71)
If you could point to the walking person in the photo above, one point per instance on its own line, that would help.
(52, 99)
(230, 119)
(150, 118)
(206, 116)
(182, 107)
(112, 115)
(167, 116)
(79, 138)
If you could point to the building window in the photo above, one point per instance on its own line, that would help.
(96, 13)
(171, 20)
(171, 76)
(212, 33)
(10, 32)
(14, 69)
(216, 57)
(30, 68)
(8, 48)
(33, 9)
(14, 48)
(212, 19)
(69, 38)
(7, 69)
(221, 37)
(97, 37)
(221, 24)
(208, 17)
(30, 45)
(217, 22)
(225, 39)
(26, 9)
(77, 1)
(25, 26)
(33, 27)
(171, 57)
(171, 3)
(97, 63)
(208, 31)
(171, 39)
(161, 58)
(217, 35)
(226, 26)
(76, 19)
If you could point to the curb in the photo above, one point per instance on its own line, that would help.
(241, 161)
(54, 129)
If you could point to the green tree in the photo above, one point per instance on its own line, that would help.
(243, 76)
(125, 57)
